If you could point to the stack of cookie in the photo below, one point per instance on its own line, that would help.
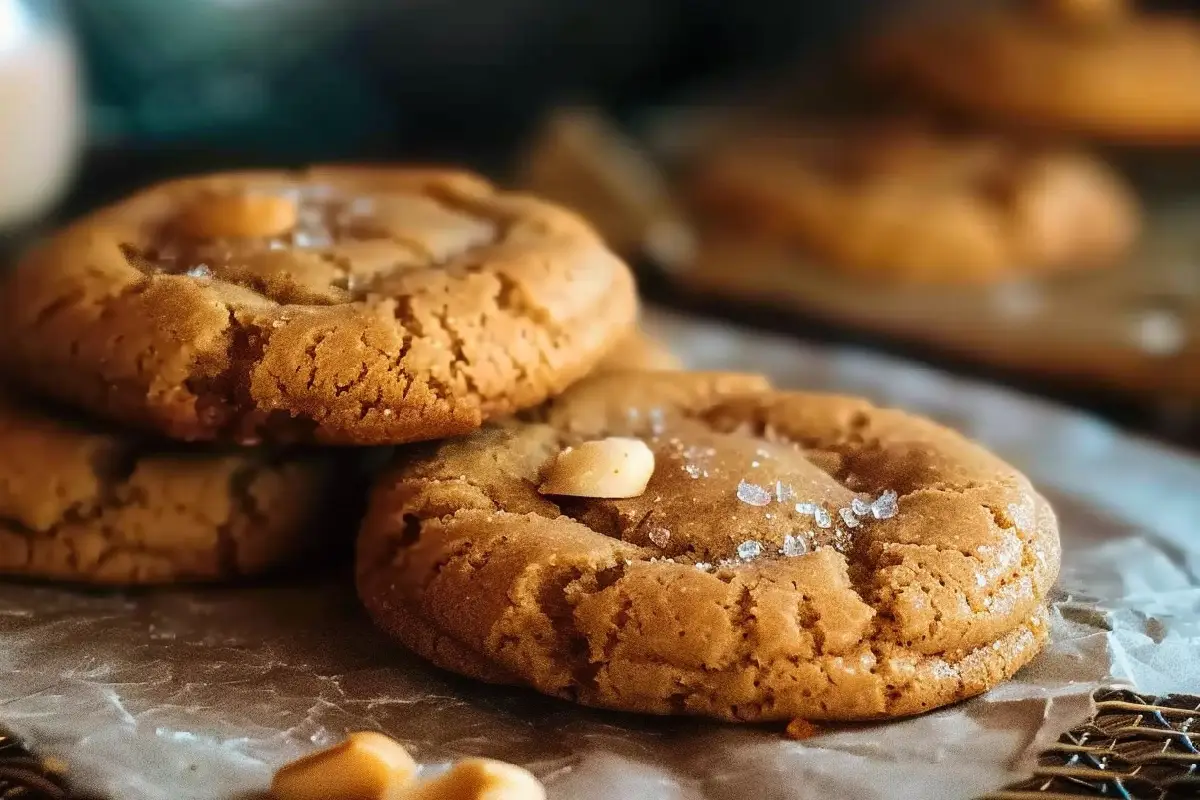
(579, 520)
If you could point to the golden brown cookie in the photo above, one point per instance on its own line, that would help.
(1095, 68)
(82, 504)
(901, 202)
(639, 351)
(793, 555)
(337, 305)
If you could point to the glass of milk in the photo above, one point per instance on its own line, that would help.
(40, 110)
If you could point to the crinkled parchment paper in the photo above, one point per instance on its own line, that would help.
(201, 694)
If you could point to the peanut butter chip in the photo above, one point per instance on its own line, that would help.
(479, 779)
(613, 468)
(244, 215)
(366, 766)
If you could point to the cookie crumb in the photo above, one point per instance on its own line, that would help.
(800, 729)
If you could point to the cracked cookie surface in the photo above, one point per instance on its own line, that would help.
(793, 555)
(84, 505)
(904, 202)
(335, 305)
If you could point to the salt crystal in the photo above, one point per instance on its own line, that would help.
(657, 420)
(703, 566)
(794, 545)
(848, 517)
(753, 494)
(783, 492)
(1021, 517)
(694, 471)
(199, 271)
(754, 464)
(885, 506)
(659, 536)
(306, 239)
(808, 509)
(749, 550)
(860, 507)
(387, 412)
(824, 520)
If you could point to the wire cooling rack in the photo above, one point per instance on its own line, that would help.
(1136, 746)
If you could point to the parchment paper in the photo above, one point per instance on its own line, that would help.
(201, 694)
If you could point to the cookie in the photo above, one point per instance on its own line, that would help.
(334, 305)
(902, 202)
(639, 351)
(1093, 68)
(82, 504)
(792, 555)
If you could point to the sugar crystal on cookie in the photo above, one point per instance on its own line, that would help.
(823, 518)
(749, 550)
(753, 494)
(885, 506)
(794, 545)
(860, 507)
(848, 517)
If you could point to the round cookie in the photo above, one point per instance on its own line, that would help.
(639, 351)
(793, 555)
(1093, 68)
(901, 202)
(335, 305)
(86, 505)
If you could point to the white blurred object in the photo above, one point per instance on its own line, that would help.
(39, 109)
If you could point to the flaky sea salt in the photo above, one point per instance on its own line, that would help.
(848, 517)
(822, 517)
(659, 536)
(808, 509)
(860, 507)
(753, 494)
(784, 492)
(1021, 516)
(694, 471)
(199, 271)
(886, 505)
(749, 550)
(794, 546)
(703, 566)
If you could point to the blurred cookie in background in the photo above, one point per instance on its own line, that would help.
(897, 200)
(1101, 69)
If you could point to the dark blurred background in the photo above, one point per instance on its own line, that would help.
(182, 84)
(175, 86)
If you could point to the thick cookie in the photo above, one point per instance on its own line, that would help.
(85, 505)
(1086, 67)
(902, 202)
(345, 306)
(793, 555)
(639, 351)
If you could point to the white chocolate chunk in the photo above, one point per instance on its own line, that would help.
(607, 468)
(366, 766)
